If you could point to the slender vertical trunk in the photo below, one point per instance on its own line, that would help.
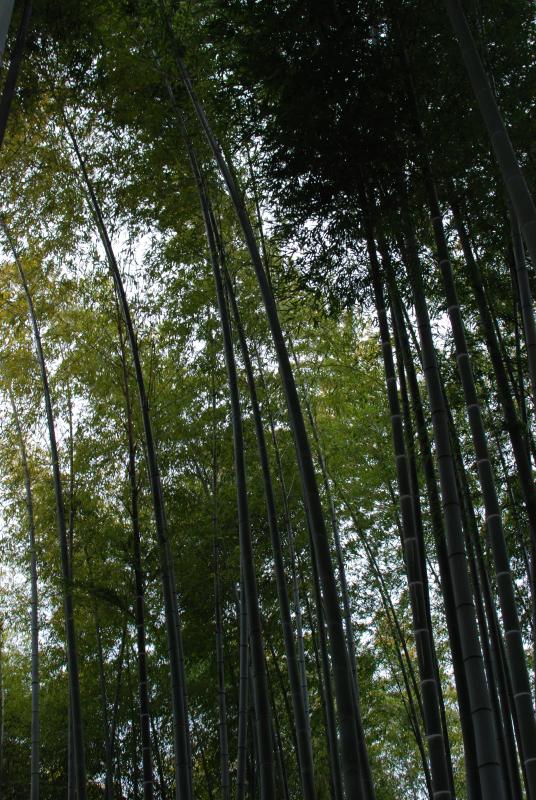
(278, 744)
(119, 779)
(304, 747)
(70, 631)
(249, 583)
(516, 371)
(299, 623)
(135, 764)
(327, 701)
(6, 12)
(284, 691)
(71, 763)
(321, 662)
(173, 629)
(243, 684)
(419, 603)
(515, 649)
(71, 485)
(415, 491)
(490, 636)
(335, 778)
(162, 788)
(471, 533)
(118, 670)
(335, 529)
(434, 503)
(254, 781)
(517, 395)
(35, 724)
(405, 663)
(511, 173)
(225, 783)
(259, 678)
(139, 581)
(341, 669)
(413, 720)
(514, 640)
(71, 778)
(396, 627)
(486, 748)
(325, 673)
(223, 732)
(347, 612)
(506, 480)
(292, 549)
(260, 227)
(14, 68)
(108, 763)
(108, 791)
(139, 614)
(514, 426)
(524, 296)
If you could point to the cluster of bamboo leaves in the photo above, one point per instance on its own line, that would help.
(268, 366)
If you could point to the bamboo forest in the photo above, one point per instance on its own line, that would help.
(267, 400)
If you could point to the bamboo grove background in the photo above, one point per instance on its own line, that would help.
(268, 383)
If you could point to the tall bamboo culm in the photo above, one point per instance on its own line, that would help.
(479, 699)
(70, 629)
(258, 672)
(421, 628)
(514, 639)
(353, 776)
(139, 584)
(34, 615)
(511, 173)
(183, 783)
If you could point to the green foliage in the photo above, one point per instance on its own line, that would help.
(311, 101)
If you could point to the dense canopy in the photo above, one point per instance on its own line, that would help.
(268, 397)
